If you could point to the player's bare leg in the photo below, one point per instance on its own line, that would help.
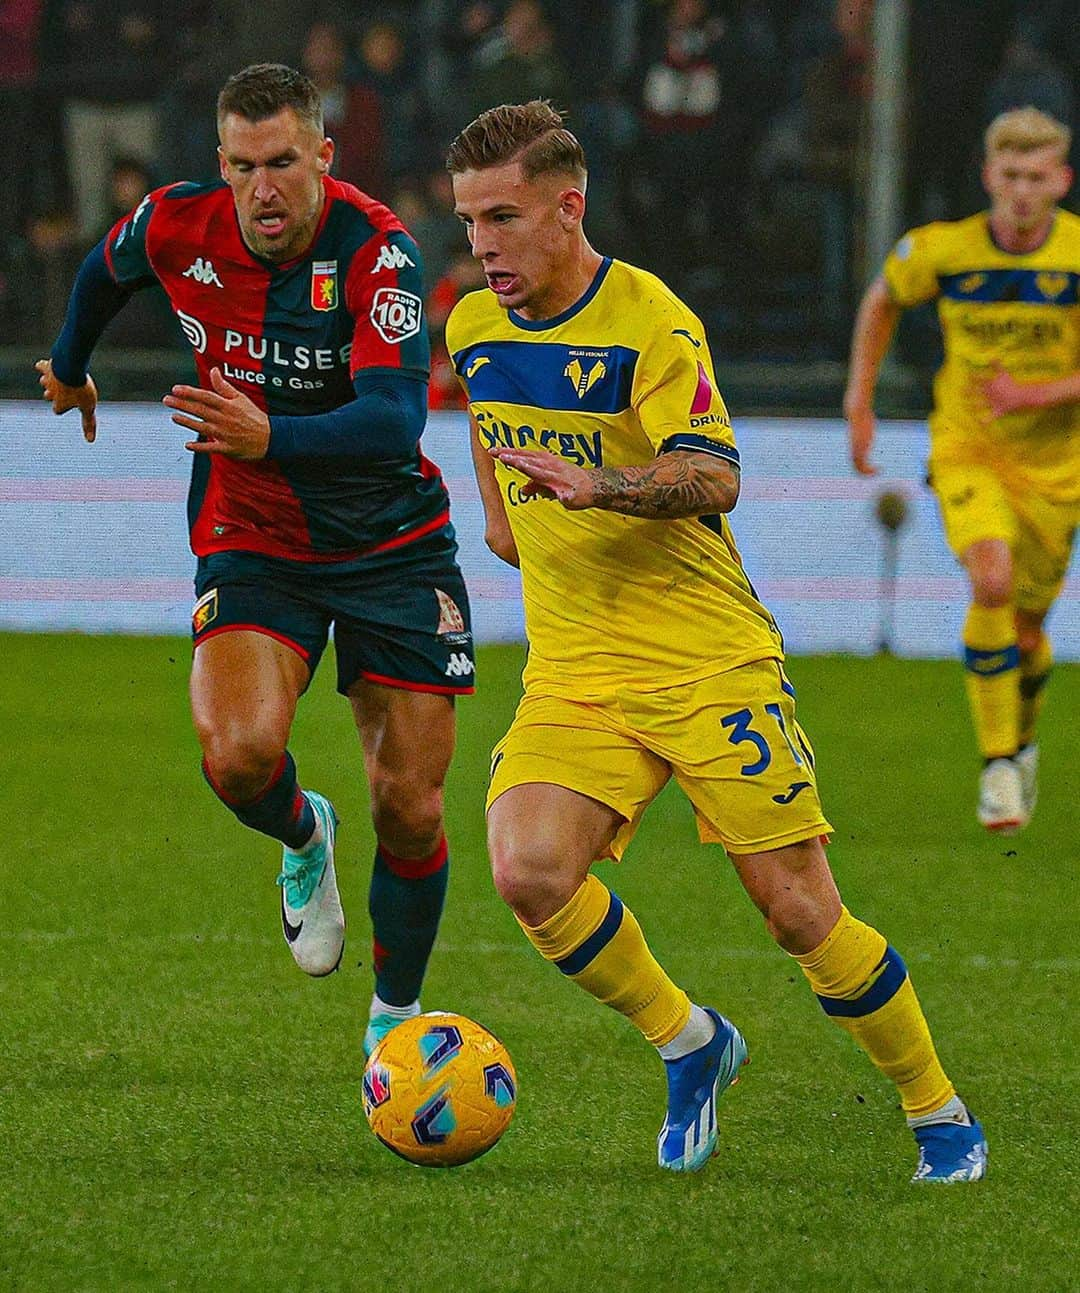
(992, 675)
(1036, 659)
(543, 840)
(408, 740)
(244, 691)
(862, 983)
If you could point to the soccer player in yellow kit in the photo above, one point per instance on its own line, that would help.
(606, 462)
(1005, 429)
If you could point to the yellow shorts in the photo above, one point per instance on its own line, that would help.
(978, 502)
(731, 741)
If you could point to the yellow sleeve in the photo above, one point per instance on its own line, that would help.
(911, 268)
(675, 394)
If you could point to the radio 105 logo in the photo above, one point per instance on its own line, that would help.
(396, 314)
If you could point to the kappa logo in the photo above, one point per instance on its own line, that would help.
(584, 379)
(391, 257)
(460, 665)
(203, 271)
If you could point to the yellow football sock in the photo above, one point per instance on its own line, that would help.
(863, 985)
(596, 941)
(992, 664)
(1034, 671)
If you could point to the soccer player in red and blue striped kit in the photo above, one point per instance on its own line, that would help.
(311, 505)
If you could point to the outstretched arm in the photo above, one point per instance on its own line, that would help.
(674, 484)
(64, 379)
(382, 424)
(875, 324)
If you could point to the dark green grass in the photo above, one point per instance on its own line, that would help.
(179, 1105)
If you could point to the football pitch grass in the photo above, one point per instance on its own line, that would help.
(180, 1108)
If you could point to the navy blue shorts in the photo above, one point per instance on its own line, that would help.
(402, 624)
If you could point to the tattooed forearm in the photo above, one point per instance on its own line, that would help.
(674, 484)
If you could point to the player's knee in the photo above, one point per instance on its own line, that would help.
(992, 582)
(800, 911)
(240, 763)
(1028, 638)
(992, 590)
(796, 921)
(527, 881)
(408, 817)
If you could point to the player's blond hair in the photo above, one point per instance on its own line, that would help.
(1025, 130)
(531, 133)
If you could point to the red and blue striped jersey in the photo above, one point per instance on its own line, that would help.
(292, 337)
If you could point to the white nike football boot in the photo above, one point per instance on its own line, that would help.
(1028, 763)
(311, 915)
(1001, 797)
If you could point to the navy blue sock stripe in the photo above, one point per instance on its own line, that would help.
(574, 962)
(988, 663)
(405, 912)
(890, 975)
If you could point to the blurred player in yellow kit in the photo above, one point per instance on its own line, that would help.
(1005, 429)
(606, 462)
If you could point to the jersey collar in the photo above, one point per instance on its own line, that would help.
(540, 325)
(1006, 252)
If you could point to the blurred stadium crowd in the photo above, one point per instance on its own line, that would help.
(727, 138)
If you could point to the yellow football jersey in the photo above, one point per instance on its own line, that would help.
(622, 375)
(996, 307)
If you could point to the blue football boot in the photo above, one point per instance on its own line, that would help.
(951, 1152)
(688, 1136)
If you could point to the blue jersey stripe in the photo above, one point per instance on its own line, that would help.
(1030, 286)
(549, 375)
(884, 988)
(576, 961)
(701, 444)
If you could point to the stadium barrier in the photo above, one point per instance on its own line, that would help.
(94, 536)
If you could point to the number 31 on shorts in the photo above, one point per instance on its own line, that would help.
(749, 726)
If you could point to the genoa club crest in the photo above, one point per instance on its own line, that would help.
(324, 285)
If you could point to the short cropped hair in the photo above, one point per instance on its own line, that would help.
(1026, 129)
(531, 133)
(263, 89)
